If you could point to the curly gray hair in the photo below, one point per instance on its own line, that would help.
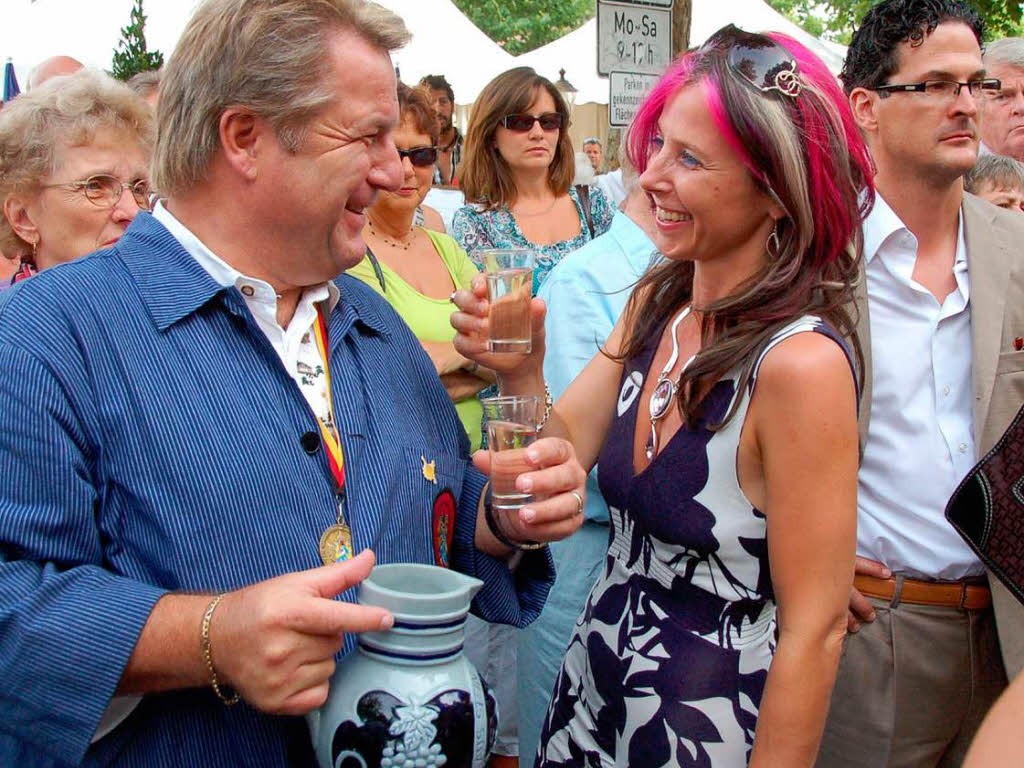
(65, 111)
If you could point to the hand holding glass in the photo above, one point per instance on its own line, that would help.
(512, 423)
(509, 273)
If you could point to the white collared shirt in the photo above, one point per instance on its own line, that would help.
(295, 345)
(921, 434)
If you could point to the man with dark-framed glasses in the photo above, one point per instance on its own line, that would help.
(938, 322)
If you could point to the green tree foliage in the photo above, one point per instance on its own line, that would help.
(519, 26)
(131, 56)
(836, 19)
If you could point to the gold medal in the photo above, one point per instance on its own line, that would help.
(336, 544)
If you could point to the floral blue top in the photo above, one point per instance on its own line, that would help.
(474, 228)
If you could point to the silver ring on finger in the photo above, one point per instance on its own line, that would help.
(579, 502)
(451, 296)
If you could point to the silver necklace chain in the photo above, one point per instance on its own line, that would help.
(665, 390)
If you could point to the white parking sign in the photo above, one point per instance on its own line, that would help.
(627, 91)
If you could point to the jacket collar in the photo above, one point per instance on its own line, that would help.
(173, 285)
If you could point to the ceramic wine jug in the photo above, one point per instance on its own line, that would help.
(408, 697)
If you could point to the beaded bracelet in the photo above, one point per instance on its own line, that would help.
(548, 405)
(229, 701)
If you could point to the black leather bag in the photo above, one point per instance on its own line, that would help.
(987, 508)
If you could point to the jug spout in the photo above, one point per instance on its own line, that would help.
(418, 590)
(470, 584)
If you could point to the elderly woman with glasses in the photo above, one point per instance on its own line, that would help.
(416, 268)
(723, 414)
(517, 172)
(74, 157)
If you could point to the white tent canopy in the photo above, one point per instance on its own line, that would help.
(88, 31)
(444, 40)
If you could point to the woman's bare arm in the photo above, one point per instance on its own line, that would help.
(584, 412)
(460, 384)
(1000, 736)
(444, 357)
(804, 416)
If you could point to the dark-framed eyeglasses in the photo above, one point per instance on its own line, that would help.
(549, 121)
(944, 89)
(757, 60)
(104, 190)
(420, 157)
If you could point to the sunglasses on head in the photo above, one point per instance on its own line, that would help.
(420, 157)
(757, 60)
(549, 121)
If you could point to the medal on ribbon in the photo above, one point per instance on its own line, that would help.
(336, 540)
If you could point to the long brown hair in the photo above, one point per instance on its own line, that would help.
(806, 151)
(485, 176)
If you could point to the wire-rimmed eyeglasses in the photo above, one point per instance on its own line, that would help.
(104, 190)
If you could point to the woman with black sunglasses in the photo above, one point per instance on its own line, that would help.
(723, 414)
(517, 171)
(415, 268)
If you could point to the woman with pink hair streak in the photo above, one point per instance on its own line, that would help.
(723, 415)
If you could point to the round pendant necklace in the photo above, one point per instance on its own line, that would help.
(405, 243)
(665, 390)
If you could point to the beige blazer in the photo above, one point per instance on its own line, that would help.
(995, 265)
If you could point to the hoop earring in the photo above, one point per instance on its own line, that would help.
(773, 245)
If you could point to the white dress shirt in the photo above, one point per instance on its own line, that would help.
(921, 436)
(296, 344)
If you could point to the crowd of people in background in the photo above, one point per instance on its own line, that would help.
(774, 330)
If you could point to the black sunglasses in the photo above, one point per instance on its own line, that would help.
(549, 121)
(421, 157)
(758, 60)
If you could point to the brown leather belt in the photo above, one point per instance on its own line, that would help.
(953, 594)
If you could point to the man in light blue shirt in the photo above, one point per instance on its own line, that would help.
(585, 295)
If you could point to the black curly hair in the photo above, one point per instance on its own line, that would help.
(873, 53)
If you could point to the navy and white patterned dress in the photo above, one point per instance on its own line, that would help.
(669, 659)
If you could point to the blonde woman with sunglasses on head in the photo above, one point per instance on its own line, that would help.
(517, 175)
(74, 156)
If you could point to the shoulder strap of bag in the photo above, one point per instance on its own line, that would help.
(584, 192)
(376, 269)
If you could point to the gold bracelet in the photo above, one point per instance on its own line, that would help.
(229, 701)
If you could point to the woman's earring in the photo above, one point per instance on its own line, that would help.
(35, 246)
(773, 246)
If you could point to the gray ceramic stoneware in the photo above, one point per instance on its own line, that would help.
(408, 697)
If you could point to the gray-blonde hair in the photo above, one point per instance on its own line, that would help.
(269, 56)
(1009, 50)
(145, 83)
(996, 170)
(66, 111)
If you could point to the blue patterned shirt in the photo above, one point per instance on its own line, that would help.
(474, 228)
(151, 441)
